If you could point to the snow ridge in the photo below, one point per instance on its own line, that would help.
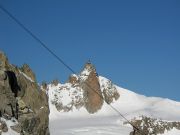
(106, 121)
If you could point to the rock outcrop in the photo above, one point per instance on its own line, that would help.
(55, 82)
(109, 90)
(3, 126)
(86, 90)
(152, 126)
(27, 70)
(73, 79)
(92, 92)
(21, 98)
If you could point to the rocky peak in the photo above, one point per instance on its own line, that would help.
(152, 126)
(88, 68)
(83, 75)
(27, 70)
(3, 61)
(92, 93)
(22, 99)
(89, 88)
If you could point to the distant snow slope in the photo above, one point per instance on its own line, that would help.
(107, 121)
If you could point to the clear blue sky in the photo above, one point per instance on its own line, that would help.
(136, 44)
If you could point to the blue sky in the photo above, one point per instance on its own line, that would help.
(136, 44)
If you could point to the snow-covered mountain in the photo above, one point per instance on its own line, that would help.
(72, 113)
(82, 106)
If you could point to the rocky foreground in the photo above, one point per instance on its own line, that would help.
(22, 102)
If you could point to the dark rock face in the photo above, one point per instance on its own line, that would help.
(33, 107)
(13, 82)
(92, 93)
(22, 98)
(152, 126)
(7, 97)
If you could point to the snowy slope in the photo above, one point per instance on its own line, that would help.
(107, 121)
(9, 124)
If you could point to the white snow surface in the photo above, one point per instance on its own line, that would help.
(10, 123)
(174, 131)
(107, 121)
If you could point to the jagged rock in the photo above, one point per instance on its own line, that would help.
(32, 102)
(92, 93)
(22, 98)
(27, 70)
(73, 79)
(152, 126)
(16, 128)
(110, 92)
(110, 96)
(3, 126)
(3, 61)
(21, 104)
(7, 98)
(3, 75)
(44, 85)
(55, 82)
(35, 124)
(29, 124)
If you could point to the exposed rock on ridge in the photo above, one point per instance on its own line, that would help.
(92, 92)
(27, 70)
(152, 126)
(84, 90)
(21, 98)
